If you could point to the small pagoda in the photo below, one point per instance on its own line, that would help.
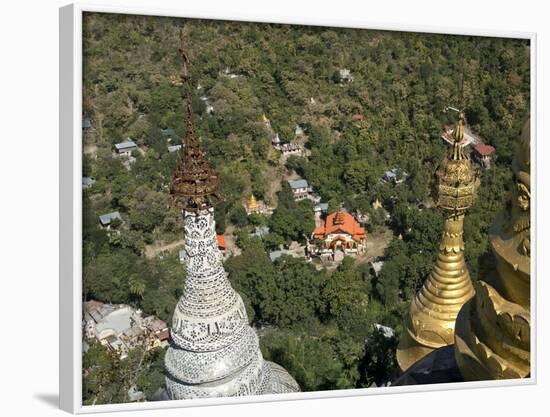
(251, 205)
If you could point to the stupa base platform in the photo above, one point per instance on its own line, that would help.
(438, 367)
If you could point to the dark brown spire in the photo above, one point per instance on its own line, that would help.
(195, 185)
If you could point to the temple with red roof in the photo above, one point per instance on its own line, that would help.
(482, 154)
(339, 231)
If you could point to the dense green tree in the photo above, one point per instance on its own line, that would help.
(273, 241)
(310, 360)
(292, 220)
(152, 379)
(379, 362)
(107, 378)
(148, 209)
(239, 217)
(358, 174)
(252, 275)
(346, 293)
(296, 299)
(102, 382)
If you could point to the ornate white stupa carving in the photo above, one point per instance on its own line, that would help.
(214, 352)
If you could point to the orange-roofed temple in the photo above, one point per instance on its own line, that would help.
(339, 231)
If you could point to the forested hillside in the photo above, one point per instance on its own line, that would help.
(317, 323)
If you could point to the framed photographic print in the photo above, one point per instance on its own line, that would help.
(265, 211)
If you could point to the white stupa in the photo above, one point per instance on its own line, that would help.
(214, 352)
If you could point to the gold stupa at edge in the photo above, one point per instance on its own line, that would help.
(493, 330)
(431, 320)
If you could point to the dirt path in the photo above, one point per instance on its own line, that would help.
(276, 174)
(230, 243)
(279, 176)
(159, 247)
(90, 150)
(376, 245)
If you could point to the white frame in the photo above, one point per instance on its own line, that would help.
(70, 203)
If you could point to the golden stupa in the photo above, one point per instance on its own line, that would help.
(431, 320)
(252, 204)
(493, 330)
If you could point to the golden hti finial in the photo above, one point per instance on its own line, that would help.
(493, 330)
(456, 178)
(431, 318)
